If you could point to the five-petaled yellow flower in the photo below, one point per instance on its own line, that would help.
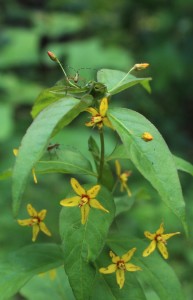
(99, 117)
(123, 177)
(120, 265)
(147, 137)
(15, 152)
(85, 199)
(158, 239)
(36, 221)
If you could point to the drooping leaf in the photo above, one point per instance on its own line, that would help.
(64, 160)
(20, 266)
(183, 165)
(35, 141)
(117, 81)
(153, 159)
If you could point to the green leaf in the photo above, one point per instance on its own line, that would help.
(83, 243)
(86, 240)
(19, 267)
(6, 174)
(183, 165)
(36, 139)
(45, 98)
(117, 81)
(153, 159)
(106, 286)
(156, 272)
(119, 152)
(81, 276)
(43, 286)
(64, 160)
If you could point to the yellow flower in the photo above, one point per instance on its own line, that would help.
(99, 117)
(120, 265)
(84, 200)
(147, 137)
(158, 239)
(15, 152)
(36, 221)
(123, 177)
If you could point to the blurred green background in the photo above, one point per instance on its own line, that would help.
(97, 34)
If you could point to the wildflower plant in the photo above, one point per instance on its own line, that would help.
(89, 221)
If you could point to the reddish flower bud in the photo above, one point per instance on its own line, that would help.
(52, 56)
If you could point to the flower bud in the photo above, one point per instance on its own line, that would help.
(147, 137)
(140, 67)
(52, 56)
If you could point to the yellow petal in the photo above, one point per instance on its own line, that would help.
(107, 123)
(93, 191)
(161, 229)
(126, 257)
(108, 270)
(79, 190)
(15, 151)
(42, 214)
(169, 235)
(149, 235)
(149, 249)
(44, 228)
(118, 168)
(89, 124)
(94, 203)
(26, 222)
(132, 268)
(74, 201)
(127, 189)
(163, 250)
(31, 211)
(84, 213)
(114, 257)
(103, 107)
(120, 276)
(34, 176)
(35, 231)
(92, 111)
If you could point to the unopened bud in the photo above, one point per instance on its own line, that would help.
(147, 137)
(140, 67)
(52, 56)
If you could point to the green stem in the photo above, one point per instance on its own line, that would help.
(121, 80)
(67, 79)
(102, 158)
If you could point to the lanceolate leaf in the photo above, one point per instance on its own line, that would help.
(183, 165)
(64, 160)
(114, 82)
(153, 159)
(83, 243)
(20, 266)
(36, 139)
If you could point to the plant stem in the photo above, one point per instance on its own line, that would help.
(67, 79)
(102, 158)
